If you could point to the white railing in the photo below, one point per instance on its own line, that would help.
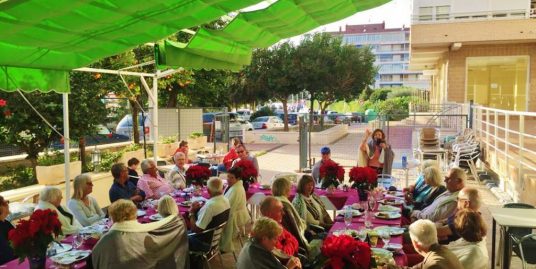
(472, 16)
(502, 133)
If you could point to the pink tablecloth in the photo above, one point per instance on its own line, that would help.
(339, 198)
(400, 257)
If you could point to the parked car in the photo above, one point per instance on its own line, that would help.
(104, 136)
(292, 118)
(245, 114)
(124, 127)
(236, 124)
(267, 122)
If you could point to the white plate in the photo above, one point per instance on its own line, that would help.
(71, 256)
(390, 215)
(140, 213)
(350, 232)
(381, 252)
(186, 203)
(392, 230)
(395, 202)
(60, 248)
(393, 246)
(155, 217)
(265, 187)
(355, 213)
(389, 208)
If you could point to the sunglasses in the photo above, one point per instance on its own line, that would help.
(240, 151)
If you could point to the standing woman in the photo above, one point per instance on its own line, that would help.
(5, 226)
(239, 215)
(84, 207)
(376, 153)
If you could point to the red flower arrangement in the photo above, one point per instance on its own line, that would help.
(363, 177)
(3, 102)
(197, 175)
(31, 237)
(249, 172)
(343, 251)
(331, 173)
(287, 243)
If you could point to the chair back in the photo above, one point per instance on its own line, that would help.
(527, 249)
(219, 219)
(212, 235)
(519, 232)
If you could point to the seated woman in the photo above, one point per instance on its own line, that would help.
(177, 175)
(308, 204)
(375, 152)
(50, 198)
(471, 247)
(84, 207)
(257, 252)
(291, 218)
(5, 227)
(419, 191)
(239, 215)
(130, 244)
(167, 207)
(432, 178)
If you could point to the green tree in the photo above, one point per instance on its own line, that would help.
(272, 71)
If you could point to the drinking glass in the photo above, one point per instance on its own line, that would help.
(368, 220)
(386, 237)
(78, 239)
(371, 203)
(347, 217)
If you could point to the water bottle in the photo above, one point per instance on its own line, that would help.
(404, 162)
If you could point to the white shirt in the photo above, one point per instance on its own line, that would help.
(66, 226)
(443, 207)
(177, 177)
(86, 215)
(213, 207)
(471, 255)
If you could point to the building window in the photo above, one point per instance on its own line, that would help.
(498, 82)
(425, 13)
(442, 13)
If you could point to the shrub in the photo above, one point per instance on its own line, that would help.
(400, 92)
(379, 95)
(264, 111)
(107, 160)
(395, 108)
(17, 178)
(132, 147)
(168, 139)
(53, 158)
(196, 135)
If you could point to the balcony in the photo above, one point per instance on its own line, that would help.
(473, 16)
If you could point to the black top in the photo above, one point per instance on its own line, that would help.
(133, 176)
(5, 250)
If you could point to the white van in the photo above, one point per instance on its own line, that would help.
(124, 127)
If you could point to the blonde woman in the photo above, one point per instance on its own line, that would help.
(167, 206)
(84, 207)
(50, 198)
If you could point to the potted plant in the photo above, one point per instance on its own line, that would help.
(364, 179)
(197, 140)
(50, 168)
(197, 175)
(132, 151)
(343, 251)
(30, 239)
(331, 174)
(248, 172)
(167, 146)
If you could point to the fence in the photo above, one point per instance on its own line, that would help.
(509, 142)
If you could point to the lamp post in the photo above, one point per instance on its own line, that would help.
(96, 159)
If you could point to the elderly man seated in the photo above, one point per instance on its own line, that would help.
(272, 208)
(123, 188)
(177, 175)
(468, 198)
(243, 154)
(151, 183)
(257, 252)
(133, 245)
(445, 204)
(212, 214)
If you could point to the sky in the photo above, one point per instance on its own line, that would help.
(395, 14)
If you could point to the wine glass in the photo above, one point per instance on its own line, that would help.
(386, 237)
(368, 220)
(78, 239)
(347, 217)
(371, 203)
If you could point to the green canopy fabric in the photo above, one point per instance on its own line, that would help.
(41, 40)
(232, 45)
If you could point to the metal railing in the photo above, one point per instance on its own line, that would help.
(507, 135)
(472, 16)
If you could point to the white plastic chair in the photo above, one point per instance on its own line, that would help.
(254, 203)
(329, 205)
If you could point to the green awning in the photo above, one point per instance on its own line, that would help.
(42, 38)
(258, 29)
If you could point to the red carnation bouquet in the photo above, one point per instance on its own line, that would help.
(249, 172)
(287, 243)
(331, 174)
(343, 251)
(31, 237)
(197, 175)
(364, 178)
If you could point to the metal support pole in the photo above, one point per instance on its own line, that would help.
(66, 145)
(154, 121)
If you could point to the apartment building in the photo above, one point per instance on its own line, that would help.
(391, 47)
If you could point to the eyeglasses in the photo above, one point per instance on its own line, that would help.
(449, 178)
(239, 151)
